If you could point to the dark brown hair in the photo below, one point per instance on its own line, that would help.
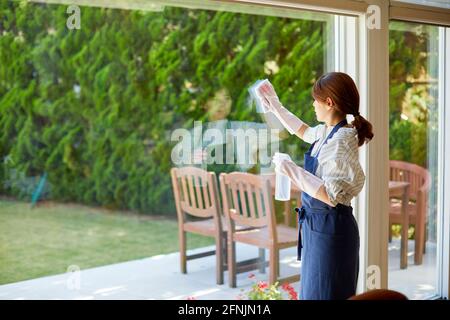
(342, 90)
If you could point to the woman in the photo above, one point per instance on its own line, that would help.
(329, 238)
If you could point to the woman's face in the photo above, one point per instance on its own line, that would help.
(322, 110)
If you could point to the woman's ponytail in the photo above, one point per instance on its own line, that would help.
(364, 129)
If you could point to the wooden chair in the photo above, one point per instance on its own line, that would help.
(247, 201)
(420, 181)
(196, 194)
(199, 211)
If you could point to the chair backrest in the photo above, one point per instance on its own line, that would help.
(196, 192)
(418, 177)
(270, 176)
(247, 201)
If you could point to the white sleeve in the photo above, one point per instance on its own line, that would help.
(343, 180)
(304, 180)
(313, 133)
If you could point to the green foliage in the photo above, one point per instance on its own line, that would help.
(95, 107)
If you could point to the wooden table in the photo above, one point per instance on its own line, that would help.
(401, 189)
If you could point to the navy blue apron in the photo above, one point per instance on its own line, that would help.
(328, 243)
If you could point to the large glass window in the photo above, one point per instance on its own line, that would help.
(414, 154)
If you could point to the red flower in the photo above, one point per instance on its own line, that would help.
(293, 295)
(290, 290)
(287, 287)
(262, 285)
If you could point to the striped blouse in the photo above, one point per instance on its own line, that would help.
(339, 166)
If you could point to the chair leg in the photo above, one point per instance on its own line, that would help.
(425, 240)
(278, 263)
(424, 245)
(273, 265)
(287, 213)
(182, 243)
(232, 263)
(419, 243)
(262, 260)
(225, 248)
(219, 259)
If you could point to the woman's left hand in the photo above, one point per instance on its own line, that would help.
(280, 163)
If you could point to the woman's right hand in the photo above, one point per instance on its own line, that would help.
(287, 118)
(269, 96)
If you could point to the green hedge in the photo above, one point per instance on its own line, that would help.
(140, 75)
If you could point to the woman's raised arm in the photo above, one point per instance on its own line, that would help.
(300, 132)
(293, 124)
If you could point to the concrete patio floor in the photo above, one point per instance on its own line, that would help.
(418, 282)
(158, 277)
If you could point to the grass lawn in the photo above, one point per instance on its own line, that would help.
(48, 239)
